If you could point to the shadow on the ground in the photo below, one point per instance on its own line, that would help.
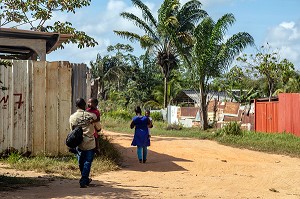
(62, 188)
(158, 162)
(12, 183)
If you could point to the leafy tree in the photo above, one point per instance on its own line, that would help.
(37, 14)
(292, 85)
(267, 64)
(212, 54)
(147, 78)
(111, 69)
(124, 78)
(237, 85)
(169, 36)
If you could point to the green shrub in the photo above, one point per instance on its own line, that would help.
(157, 116)
(121, 113)
(232, 128)
(14, 158)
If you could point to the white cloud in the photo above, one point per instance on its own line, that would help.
(100, 26)
(210, 3)
(286, 37)
(115, 5)
(287, 25)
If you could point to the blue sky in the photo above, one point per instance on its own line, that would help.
(274, 21)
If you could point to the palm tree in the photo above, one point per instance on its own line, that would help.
(212, 54)
(169, 36)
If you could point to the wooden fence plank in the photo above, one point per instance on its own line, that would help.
(39, 103)
(51, 133)
(64, 103)
(79, 83)
(29, 124)
(18, 99)
(5, 110)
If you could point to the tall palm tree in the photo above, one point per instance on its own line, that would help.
(169, 36)
(212, 54)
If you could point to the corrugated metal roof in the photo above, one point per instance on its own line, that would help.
(194, 96)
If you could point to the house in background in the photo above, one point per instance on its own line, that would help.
(190, 98)
(220, 109)
(278, 115)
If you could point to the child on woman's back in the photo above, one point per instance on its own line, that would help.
(147, 114)
(92, 108)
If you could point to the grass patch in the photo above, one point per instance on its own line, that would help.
(67, 166)
(283, 143)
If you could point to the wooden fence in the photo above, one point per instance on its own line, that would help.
(35, 105)
(81, 83)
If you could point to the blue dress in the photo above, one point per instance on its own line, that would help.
(141, 132)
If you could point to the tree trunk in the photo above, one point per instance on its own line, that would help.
(214, 122)
(165, 92)
(203, 107)
(101, 90)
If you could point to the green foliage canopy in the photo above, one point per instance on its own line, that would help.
(38, 13)
(268, 65)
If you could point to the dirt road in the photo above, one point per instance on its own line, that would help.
(183, 168)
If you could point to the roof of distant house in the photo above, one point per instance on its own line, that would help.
(192, 96)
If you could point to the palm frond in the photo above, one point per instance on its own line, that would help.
(234, 45)
(139, 23)
(222, 26)
(203, 33)
(147, 15)
(189, 14)
(128, 35)
(167, 10)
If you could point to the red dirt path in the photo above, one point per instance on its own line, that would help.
(182, 168)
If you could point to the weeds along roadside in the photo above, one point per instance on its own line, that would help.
(67, 166)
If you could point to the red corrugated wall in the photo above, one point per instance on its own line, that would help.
(289, 112)
(266, 117)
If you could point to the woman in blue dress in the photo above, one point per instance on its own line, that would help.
(141, 137)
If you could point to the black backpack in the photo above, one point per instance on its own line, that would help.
(75, 137)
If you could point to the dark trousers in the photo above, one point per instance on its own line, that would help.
(85, 159)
